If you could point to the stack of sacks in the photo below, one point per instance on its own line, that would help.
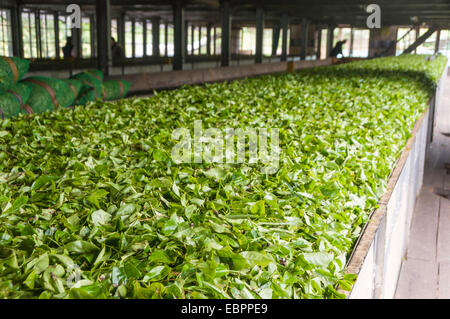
(91, 86)
(48, 94)
(38, 94)
(13, 96)
(113, 90)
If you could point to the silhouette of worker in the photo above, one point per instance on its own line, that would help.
(338, 49)
(116, 49)
(67, 49)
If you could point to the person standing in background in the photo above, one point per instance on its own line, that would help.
(116, 49)
(68, 48)
(338, 49)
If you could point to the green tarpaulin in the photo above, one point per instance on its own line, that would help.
(48, 93)
(12, 101)
(12, 69)
(115, 89)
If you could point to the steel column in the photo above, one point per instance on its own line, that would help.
(208, 39)
(352, 35)
(16, 23)
(56, 32)
(103, 15)
(319, 42)
(304, 40)
(225, 14)
(179, 39)
(155, 36)
(330, 40)
(436, 45)
(284, 27)
(259, 34)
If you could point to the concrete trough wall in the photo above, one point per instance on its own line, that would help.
(378, 255)
(148, 81)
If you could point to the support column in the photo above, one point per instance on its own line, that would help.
(259, 35)
(350, 52)
(56, 27)
(417, 36)
(179, 39)
(304, 40)
(192, 39)
(319, 42)
(235, 38)
(438, 36)
(121, 30)
(214, 41)
(76, 41)
(284, 27)
(38, 33)
(133, 37)
(166, 39)
(186, 28)
(382, 41)
(155, 36)
(144, 30)
(330, 40)
(208, 39)
(295, 43)
(93, 25)
(103, 15)
(275, 39)
(16, 22)
(199, 40)
(225, 15)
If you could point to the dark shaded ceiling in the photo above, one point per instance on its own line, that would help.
(351, 12)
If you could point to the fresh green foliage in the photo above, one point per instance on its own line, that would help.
(95, 187)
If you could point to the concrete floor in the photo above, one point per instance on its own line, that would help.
(425, 271)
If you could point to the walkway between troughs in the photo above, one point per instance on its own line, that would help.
(425, 271)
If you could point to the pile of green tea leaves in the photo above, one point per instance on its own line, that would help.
(92, 205)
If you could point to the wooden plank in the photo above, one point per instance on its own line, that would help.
(418, 280)
(424, 227)
(444, 281)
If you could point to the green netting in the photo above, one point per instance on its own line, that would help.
(12, 101)
(115, 89)
(41, 99)
(12, 69)
(86, 96)
(91, 79)
(75, 87)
